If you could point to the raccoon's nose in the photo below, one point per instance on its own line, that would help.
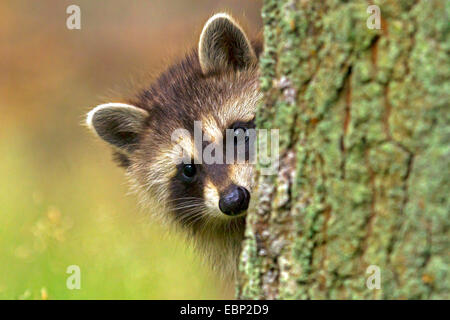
(234, 201)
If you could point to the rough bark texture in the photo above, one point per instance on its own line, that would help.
(364, 141)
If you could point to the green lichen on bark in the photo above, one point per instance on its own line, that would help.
(364, 147)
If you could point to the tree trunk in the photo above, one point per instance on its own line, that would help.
(364, 153)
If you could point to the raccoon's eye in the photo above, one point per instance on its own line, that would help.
(189, 171)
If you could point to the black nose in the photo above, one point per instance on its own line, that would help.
(234, 201)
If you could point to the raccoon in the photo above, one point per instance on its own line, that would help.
(217, 86)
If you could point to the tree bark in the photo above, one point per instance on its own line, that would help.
(364, 153)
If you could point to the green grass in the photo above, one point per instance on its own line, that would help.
(64, 203)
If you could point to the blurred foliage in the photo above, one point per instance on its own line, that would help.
(62, 200)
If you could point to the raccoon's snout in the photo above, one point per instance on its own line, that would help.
(235, 201)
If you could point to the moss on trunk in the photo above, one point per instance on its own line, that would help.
(364, 143)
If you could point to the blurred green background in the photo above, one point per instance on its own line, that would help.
(62, 200)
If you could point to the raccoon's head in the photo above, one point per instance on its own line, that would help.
(214, 88)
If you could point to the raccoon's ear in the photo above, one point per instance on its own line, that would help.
(118, 124)
(223, 45)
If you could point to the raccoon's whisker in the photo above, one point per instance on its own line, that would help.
(208, 219)
(177, 205)
(186, 206)
(193, 219)
(182, 198)
(192, 205)
(188, 211)
(190, 219)
(186, 199)
(193, 211)
(189, 205)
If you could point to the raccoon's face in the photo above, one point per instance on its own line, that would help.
(200, 106)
